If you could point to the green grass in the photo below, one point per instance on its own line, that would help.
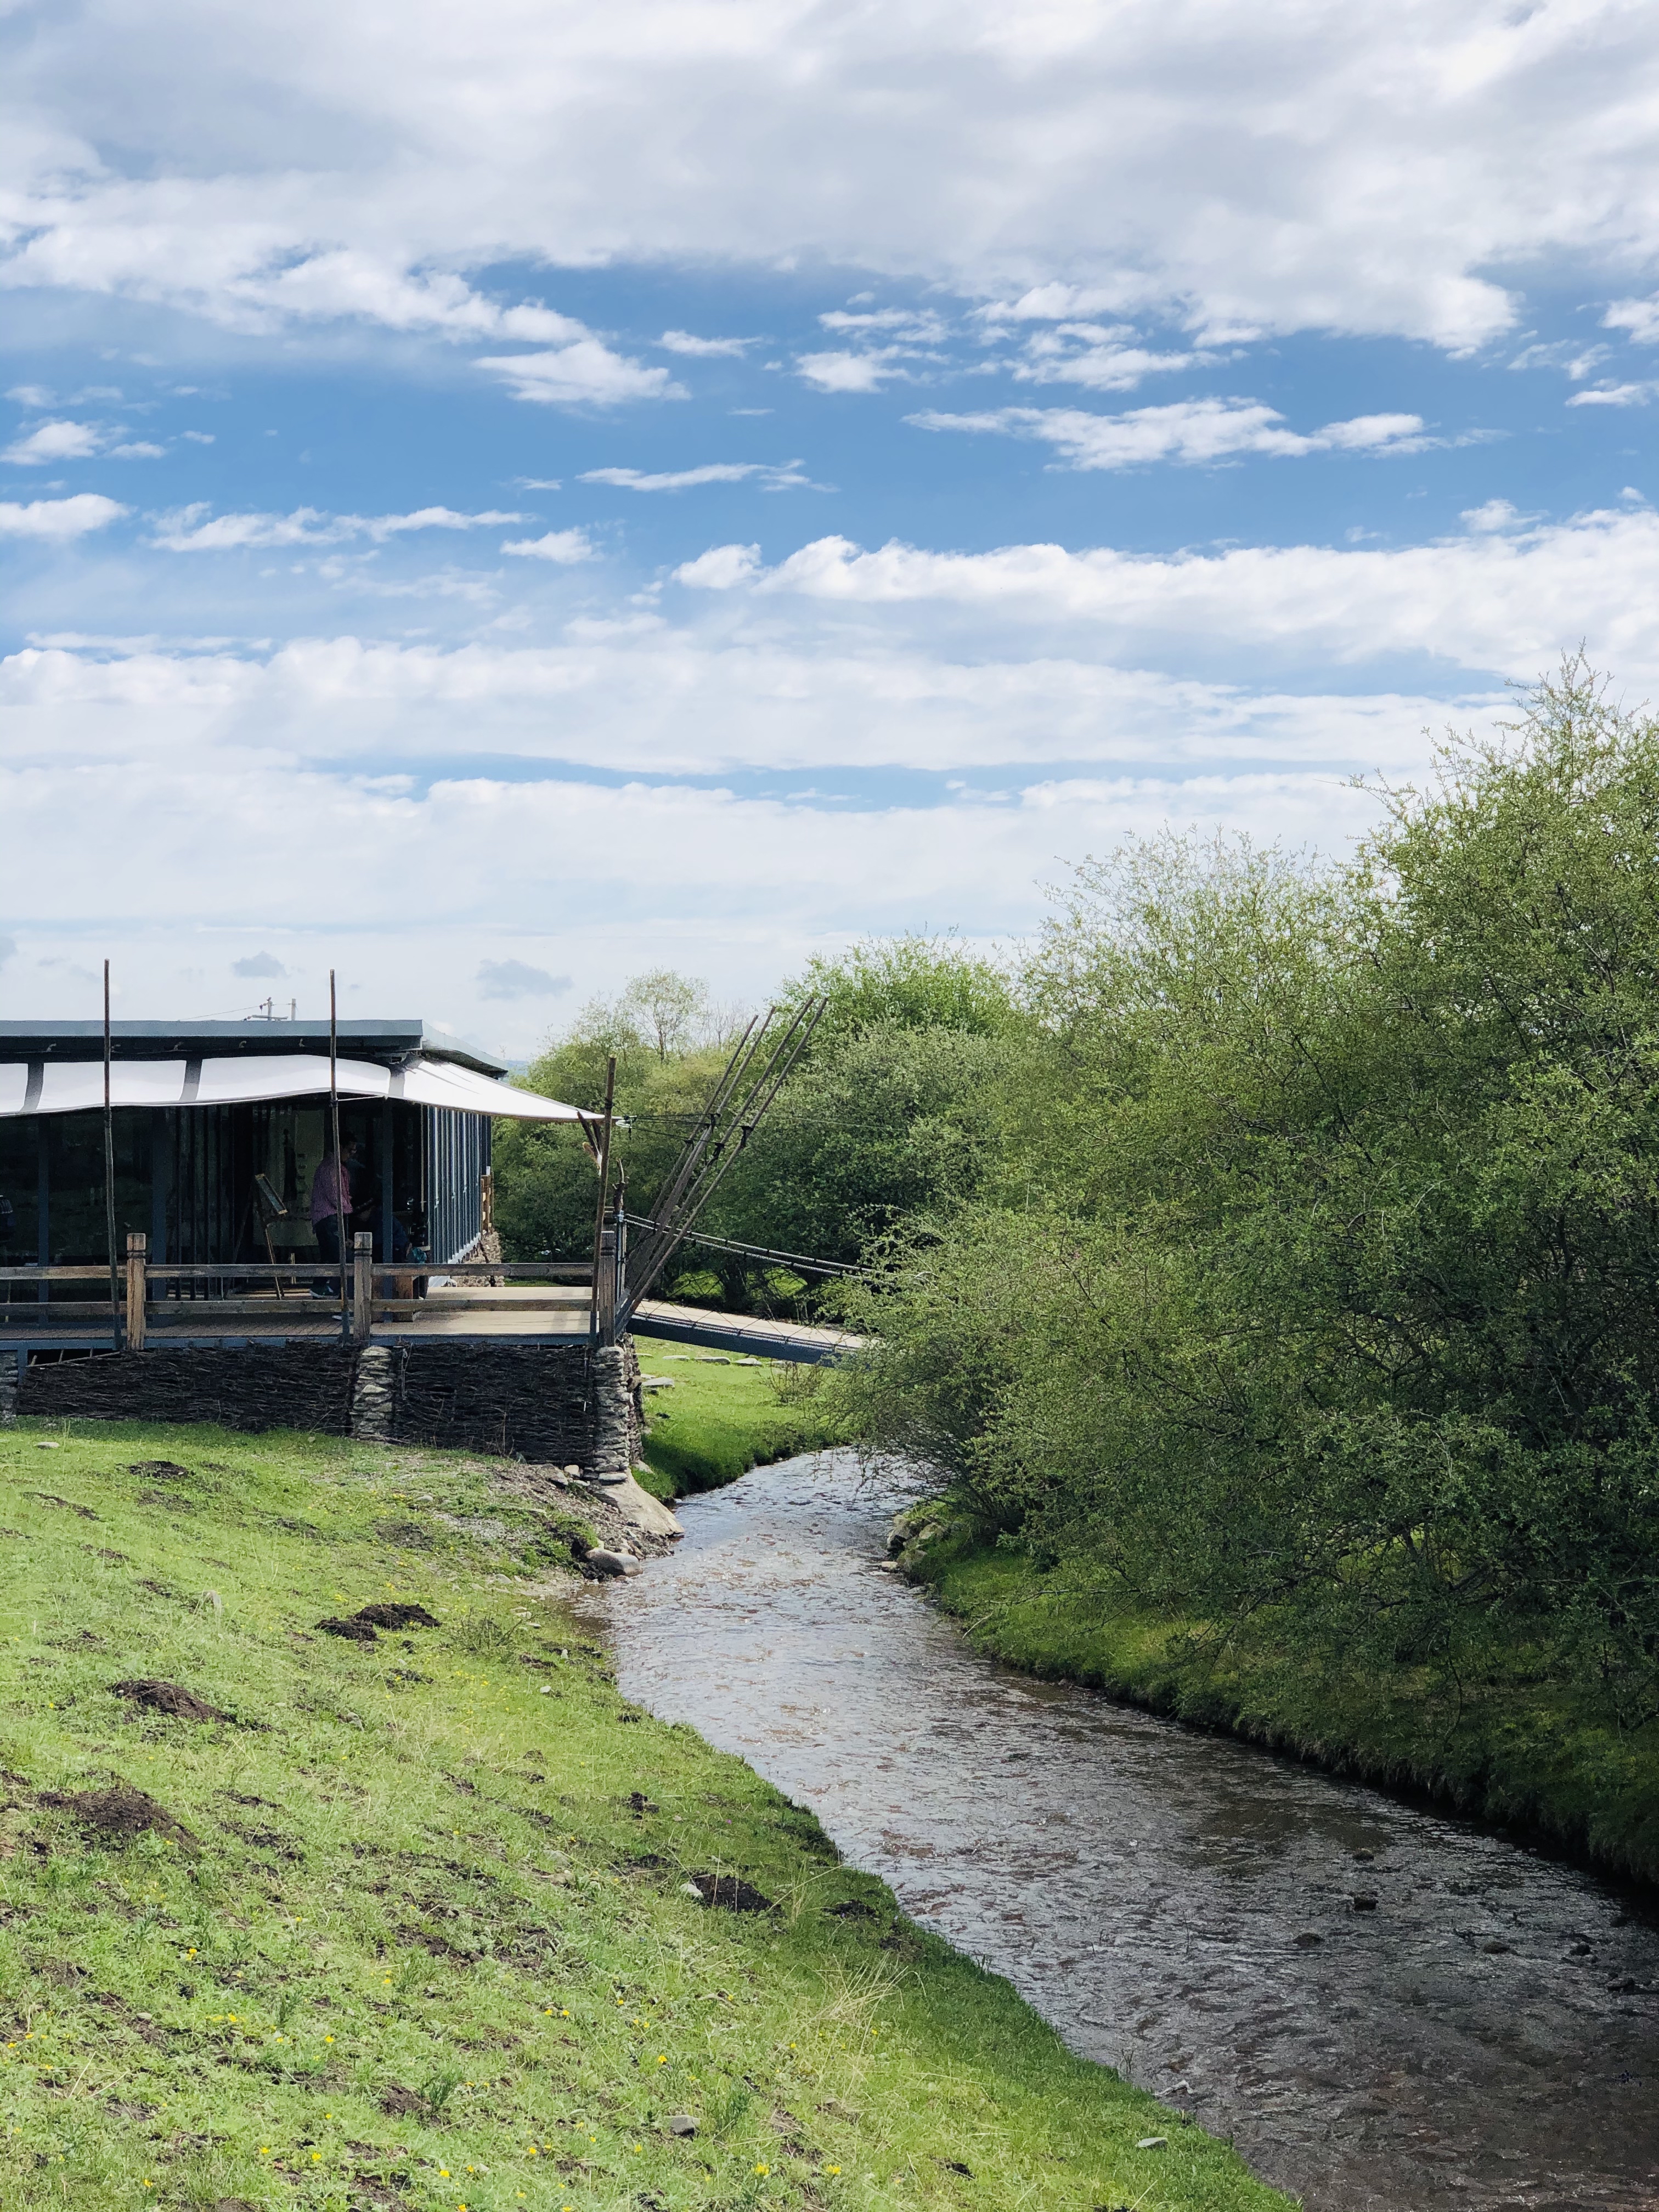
(723, 1416)
(1513, 1748)
(426, 1873)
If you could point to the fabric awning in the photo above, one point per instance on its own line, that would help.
(76, 1086)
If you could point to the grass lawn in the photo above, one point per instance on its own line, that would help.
(724, 1415)
(1512, 1748)
(405, 1923)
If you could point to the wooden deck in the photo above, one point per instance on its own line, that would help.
(452, 1311)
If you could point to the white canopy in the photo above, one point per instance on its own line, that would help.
(76, 1086)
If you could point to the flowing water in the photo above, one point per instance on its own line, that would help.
(1178, 1906)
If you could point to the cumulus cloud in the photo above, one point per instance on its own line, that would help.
(566, 547)
(853, 372)
(58, 519)
(720, 569)
(783, 475)
(1098, 357)
(516, 978)
(258, 966)
(1130, 159)
(1640, 317)
(585, 374)
(51, 442)
(1188, 430)
(196, 529)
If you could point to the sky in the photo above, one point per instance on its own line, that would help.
(494, 500)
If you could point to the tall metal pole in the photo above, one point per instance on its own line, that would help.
(109, 1176)
(604, 1192)
(334, 1124)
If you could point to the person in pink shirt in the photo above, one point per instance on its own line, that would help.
(330, 1209)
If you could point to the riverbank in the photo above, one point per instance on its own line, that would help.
(334, 1921)
(1512, 1751)
(721, 1414)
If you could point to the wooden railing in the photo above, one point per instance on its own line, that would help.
(224, 1290)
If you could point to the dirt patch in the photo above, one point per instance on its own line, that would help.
(166, 1497)
(121, 1813)
(168, 1697)
(48, 1497)
(160, 1470)
(851, 1908)
(99, 1553)
(729, 1892)
(354, 1631)
(395, 1616)
(410, 1535)
(401, 2104)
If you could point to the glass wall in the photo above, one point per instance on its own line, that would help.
(207, 1183)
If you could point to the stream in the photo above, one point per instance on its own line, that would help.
(1179, 1906)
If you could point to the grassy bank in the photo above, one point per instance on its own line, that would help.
(404, 1923)
(724, 1414)
(1512, 1749)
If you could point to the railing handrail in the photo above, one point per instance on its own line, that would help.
(571, 1271)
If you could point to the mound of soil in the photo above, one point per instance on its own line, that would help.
(168, 1698)
(395, 1616)
(353, 1630)
(161, 1470)
(403, 2104)
(120, 1812)
(729, 1892)
(851, 1908)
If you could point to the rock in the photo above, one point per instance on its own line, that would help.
(1306, 1940)
(690, 1889)
(611, 1565)
(1363, 1902)
(659, 1382)
(681, 2124)
(888, 1566)
(640, 1509)
(1152, 2143)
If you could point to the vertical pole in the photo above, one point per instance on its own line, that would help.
(362, 1285)
(42, 1205)
(137, 1248)
(334, 1128)
(604, 1192)
(618, 1254)
(109, 1180)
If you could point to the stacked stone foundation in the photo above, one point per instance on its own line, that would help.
(564, 1405)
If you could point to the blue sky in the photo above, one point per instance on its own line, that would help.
(491, 506)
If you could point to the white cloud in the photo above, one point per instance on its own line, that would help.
(720, 569)
(137, 449)
(1095, 355)
(566, 547)
(785, 476)
(704, 349)
(30, 395)
(585, 374)
(852, 372)
(195, 530)
(57, 519)
(197, 437)
(1615, 395)
(1193, 431)
(1244, 168)
(1639, 317)
(517, 979)
(51, 442)
(1495, 601)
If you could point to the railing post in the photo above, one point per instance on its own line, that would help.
(362, 1285)
(138, 1288)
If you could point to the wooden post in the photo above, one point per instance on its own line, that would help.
(595, 1321)
(362, 1285)
(137, 1289)
(109, 1176)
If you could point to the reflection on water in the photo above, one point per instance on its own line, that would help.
(1179, 1906)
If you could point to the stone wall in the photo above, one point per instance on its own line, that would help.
(567, 1404)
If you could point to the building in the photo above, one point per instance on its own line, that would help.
(220, 1127)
